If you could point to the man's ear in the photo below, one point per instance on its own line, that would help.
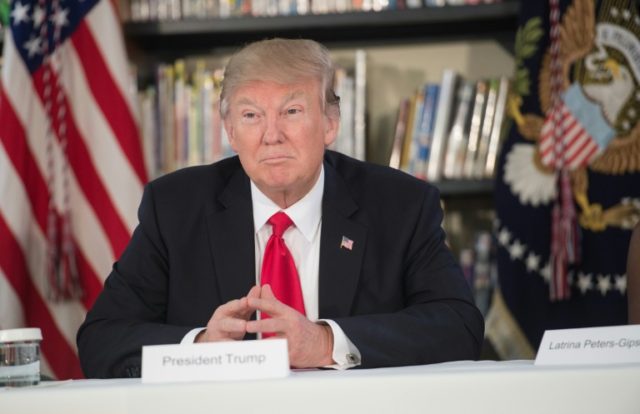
(332, 126)
(228, 126)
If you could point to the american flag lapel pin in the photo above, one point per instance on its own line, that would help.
(346, 243)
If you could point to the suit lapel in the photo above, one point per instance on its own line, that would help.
(231, 236)
(340, 266)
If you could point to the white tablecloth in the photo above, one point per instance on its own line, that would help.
(462, 387)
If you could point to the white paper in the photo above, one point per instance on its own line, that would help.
(216, 361)
(584, 346)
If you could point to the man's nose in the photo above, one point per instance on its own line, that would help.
(273, 131)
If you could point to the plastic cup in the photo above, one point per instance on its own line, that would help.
(20, 357)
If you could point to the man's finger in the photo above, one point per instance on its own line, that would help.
(266, 325)
(267, 293)
(232, 325)
(272, 306)
(254, 292)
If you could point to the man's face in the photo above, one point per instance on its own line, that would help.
(280, 133)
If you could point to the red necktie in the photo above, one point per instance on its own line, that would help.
(278, 268)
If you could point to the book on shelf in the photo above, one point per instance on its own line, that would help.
(399, 133)
(496, 135)
(475, 128)
(425, 130)
(407, 140)
(414, 147)
(485, 132)
(459, 133)
(350, 87)
(360, 105)
(444, 112)
(344, 87)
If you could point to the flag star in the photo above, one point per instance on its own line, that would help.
(545, 272)
(614, 11)
(626, 14)
(504, 236)
(533, 262)
(38, 16)
(33, 46)
(621, 283)
(20, 13)
(604, 284)
(60, 18)
(584, 282)
(516, 250)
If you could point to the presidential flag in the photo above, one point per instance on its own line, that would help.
(574, 147)
(71, 167)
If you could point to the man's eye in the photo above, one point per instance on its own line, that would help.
(250, 117)
(293, 111)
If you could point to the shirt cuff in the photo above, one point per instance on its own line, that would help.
(345, 353)
(190, 337)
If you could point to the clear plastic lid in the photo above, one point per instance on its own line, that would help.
(21, 334)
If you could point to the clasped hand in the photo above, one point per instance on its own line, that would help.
(310, 344)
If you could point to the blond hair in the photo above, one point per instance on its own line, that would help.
(284, 61)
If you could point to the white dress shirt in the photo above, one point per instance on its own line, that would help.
(303, 241)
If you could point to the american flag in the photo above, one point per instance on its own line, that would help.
(346, 243)
(584, 130)
(71, 167)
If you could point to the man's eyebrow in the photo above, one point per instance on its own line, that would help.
(293, 95)
(245, 101)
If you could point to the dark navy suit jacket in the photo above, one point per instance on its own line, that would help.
(398, 294)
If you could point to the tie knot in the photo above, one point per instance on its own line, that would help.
(279, 222)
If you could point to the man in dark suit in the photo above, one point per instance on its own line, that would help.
(378, 285)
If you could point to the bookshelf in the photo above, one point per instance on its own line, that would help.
(465, 188)
(409, 25)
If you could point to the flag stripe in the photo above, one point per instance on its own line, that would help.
(18, 152)
(110, 101)
(60, 355)
(87, 175)
(104, 19)
(579, 158)
(121, 181)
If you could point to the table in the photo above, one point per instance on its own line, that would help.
(458, 387)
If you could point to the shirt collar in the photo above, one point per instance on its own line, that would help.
(305, 213)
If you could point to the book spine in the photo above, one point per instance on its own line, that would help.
(496, 130)
(360, 105)
(442, 123)
(487, 125)
(425, 133)
(475, 128)
(456, 144)
(398, 136)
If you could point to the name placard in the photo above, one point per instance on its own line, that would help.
(216, 361)
(585, 346)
